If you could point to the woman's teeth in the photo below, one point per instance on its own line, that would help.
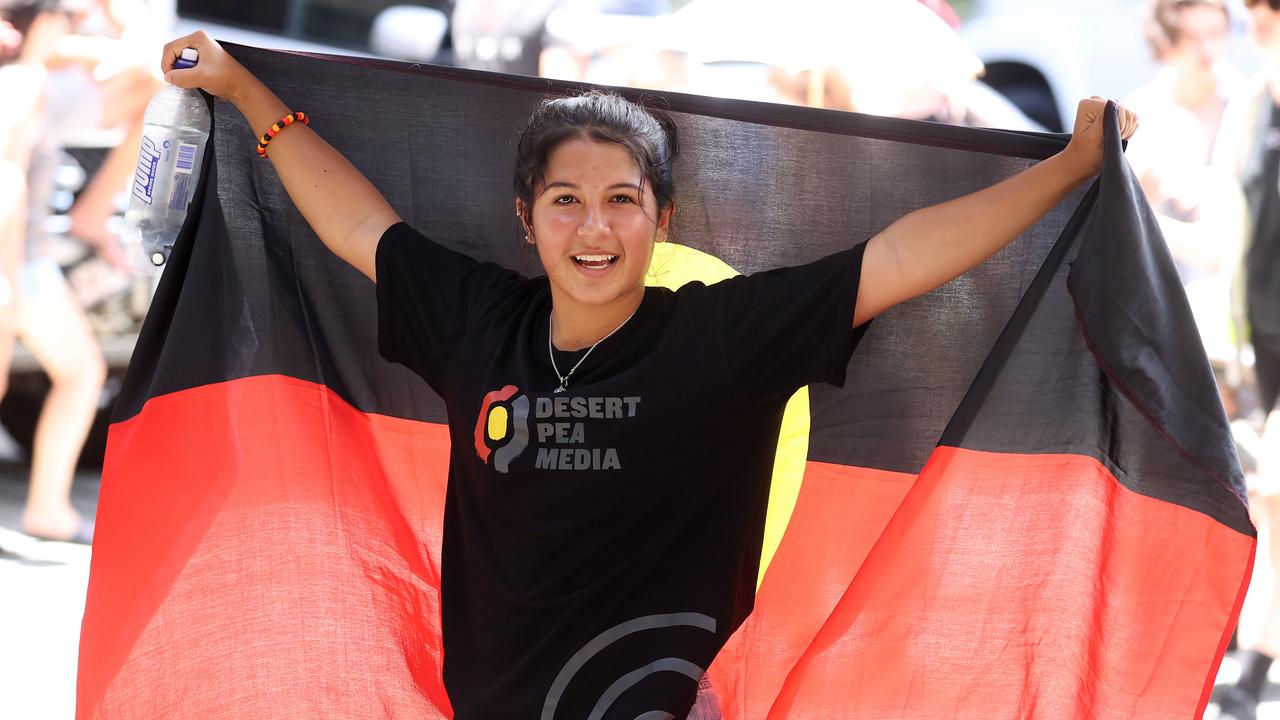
(595, 262)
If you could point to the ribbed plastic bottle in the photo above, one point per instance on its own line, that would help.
(174, 134)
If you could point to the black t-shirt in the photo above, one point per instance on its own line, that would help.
(1262, 261)
(601, 544)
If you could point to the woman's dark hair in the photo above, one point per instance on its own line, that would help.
(648, 135)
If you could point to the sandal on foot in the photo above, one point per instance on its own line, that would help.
(83, 534)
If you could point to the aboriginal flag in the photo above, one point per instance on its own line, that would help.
(1023, 504)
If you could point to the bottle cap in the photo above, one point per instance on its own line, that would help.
(188, 59)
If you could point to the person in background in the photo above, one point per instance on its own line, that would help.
(1245, 198)
(102, 74)
(1183, 106)
(613, 42)
(20, 85)
(914, 66)
(50, 322)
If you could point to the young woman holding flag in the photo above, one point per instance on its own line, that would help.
(601, 428)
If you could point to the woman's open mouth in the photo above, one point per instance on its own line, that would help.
(595, 262)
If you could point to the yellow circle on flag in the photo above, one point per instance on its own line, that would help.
(497, 428)
(674, 265)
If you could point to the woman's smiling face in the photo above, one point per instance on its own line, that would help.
(594, 222)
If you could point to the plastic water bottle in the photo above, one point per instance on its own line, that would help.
(175, 129)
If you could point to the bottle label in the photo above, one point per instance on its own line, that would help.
(181, 183)
(144, 178)
(186, 159)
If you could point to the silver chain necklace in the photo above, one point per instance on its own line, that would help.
(564, 379)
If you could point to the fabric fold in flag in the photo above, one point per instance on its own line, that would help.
(1023, 503)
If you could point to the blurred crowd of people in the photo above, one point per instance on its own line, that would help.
(899, 57)
(1208, 157)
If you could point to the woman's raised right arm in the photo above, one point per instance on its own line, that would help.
(343, 208)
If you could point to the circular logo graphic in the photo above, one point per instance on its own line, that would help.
(502, 427)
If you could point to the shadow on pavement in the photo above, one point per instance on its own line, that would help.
(9, 556)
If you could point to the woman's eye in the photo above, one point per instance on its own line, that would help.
(563, 200)
(623, 199)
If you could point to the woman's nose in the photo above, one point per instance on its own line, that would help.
(593, 224)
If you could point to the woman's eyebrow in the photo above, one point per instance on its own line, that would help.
(571, 186)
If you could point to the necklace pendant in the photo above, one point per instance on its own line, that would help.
(551, 353)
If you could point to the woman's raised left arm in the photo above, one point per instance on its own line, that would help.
(928, 247)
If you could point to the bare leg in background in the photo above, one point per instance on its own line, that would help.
(55, 329)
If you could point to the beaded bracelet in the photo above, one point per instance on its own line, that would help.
(280, 125)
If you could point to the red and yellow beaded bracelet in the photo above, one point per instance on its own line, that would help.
(280, 125)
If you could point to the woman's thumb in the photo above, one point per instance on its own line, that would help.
(183, 78)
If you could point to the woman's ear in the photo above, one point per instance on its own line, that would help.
(522, 212)
(664, 222)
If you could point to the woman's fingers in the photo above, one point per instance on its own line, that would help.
(1093, 108)
(215, 70)
(173, 50)
(1128, 123)
(1085, 149)
(1128, 120)
(1087, 113)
